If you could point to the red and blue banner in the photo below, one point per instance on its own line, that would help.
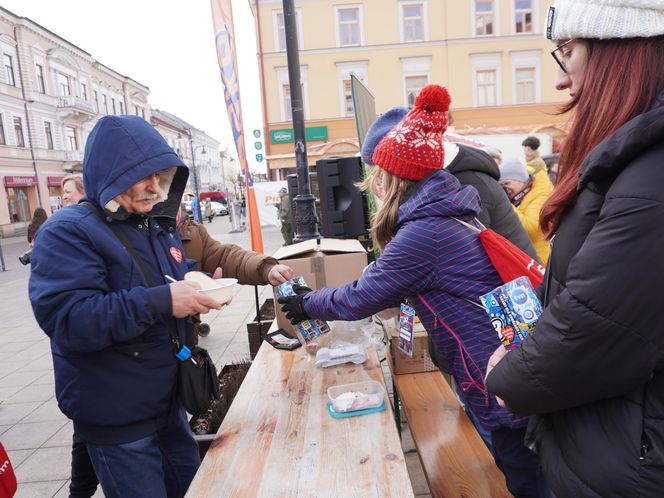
(224, 38)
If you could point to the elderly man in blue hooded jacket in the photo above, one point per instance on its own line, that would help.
(115, 365)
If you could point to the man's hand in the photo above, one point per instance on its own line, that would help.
(278, 274)
(498, 355)
(293, 306)
(187, 301)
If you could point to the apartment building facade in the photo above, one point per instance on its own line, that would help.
(51, 95)
(490, 54)
(205, 156)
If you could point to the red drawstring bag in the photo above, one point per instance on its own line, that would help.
(509, 261)
(7, 477)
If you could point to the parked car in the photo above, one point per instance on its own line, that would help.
(218, 208)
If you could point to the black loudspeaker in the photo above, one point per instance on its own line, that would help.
(343, 206)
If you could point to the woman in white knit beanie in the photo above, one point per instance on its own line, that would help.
(591, 375)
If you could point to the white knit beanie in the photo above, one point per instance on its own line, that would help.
(513, 169)
(605, 19)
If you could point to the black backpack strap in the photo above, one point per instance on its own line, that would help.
(130, 249)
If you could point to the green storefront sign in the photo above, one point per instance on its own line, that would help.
(311, 133)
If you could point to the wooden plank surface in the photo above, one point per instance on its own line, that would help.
(278, 440)
(456, 461)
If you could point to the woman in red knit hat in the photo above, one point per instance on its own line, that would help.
(435, 264)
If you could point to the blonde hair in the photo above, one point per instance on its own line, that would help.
(394, 190)
(77, 178)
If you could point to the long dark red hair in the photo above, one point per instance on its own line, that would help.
(622, 79)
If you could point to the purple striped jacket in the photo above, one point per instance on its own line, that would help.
(433, 258)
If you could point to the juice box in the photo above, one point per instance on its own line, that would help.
(309, 330)
(513, 309)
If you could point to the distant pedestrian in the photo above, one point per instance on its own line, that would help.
(528, 194)
(284, 208)
(72, 189)
(208, 212)
(531, 151)
(38, 218)
(495, 154)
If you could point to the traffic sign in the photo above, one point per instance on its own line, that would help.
(257, 133)
(258, 145)
(259, 157)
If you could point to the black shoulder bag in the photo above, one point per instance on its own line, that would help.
(198, 383)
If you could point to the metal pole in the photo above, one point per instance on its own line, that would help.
(193, 167)
(306, 226)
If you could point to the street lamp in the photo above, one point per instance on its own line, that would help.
(193, 167)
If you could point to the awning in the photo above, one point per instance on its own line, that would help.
(20, 181)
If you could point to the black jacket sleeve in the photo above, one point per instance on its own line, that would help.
(602, 335)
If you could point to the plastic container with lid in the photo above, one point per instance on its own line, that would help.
(357, 396)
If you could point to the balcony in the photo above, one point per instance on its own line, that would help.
(73, 157)
(76, 109)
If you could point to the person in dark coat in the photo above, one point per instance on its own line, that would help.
(592, 373)
(115, 365)
(436, 264)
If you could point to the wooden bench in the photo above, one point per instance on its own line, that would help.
(455, 460)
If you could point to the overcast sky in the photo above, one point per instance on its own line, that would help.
(167, 45)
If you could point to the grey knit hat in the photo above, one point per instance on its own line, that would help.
(605, 19)
(513, 169)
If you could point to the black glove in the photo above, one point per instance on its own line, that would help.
(293, 306)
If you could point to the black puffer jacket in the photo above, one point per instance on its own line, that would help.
(475, 167)
(593, 368)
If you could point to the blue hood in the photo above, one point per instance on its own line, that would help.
(121, 151)
(440, 194)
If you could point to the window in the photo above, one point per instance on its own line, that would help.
(413, 86)
(486, 87)
(360, 70)
(349, 110)
(285, 93)
(412, 22)
(525, 85)
(18, 131)
(523, 16)
(95, 97)
(104, 101)
(121, 107)
(41, 87)
(113, 106)
(84, 91)
(63, 85)
(280, 29)
(9, 70)
(2, 131)
(416, 74)
(348, 25)
(70, 134)
(137, 112)
(49, 135)
(142, 113)
(484, 17)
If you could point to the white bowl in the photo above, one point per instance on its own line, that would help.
(220, 289)
(223, 292)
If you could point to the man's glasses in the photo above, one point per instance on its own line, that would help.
(559, 55)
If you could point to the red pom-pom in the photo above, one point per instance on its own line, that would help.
(433, 98)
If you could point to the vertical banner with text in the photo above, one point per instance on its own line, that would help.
(224, 37)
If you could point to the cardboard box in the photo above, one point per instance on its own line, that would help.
(322, 263)
(402, 363)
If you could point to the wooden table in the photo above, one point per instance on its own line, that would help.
(278, 440)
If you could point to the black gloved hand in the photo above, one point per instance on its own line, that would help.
(293, 306)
